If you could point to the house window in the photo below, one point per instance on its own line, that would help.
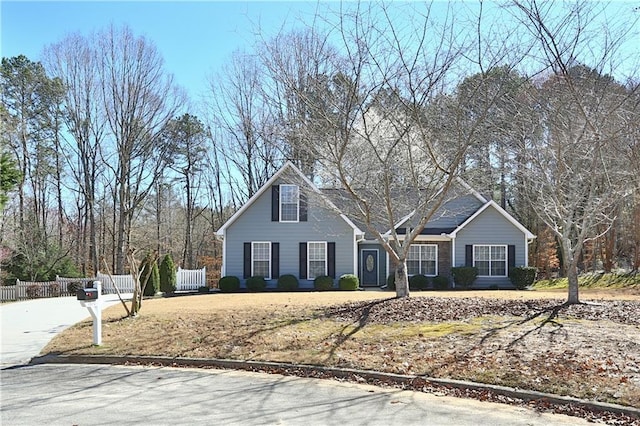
(261, 259)
(317, 259)
(289, 203)
(422, 259)
(491, 261)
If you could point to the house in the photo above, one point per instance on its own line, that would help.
(292, 227)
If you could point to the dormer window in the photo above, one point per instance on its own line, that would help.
(289, 203)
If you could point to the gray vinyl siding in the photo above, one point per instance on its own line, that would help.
(490, 227)
(255, 225)
(382, 261)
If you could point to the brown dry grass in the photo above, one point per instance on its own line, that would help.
(598, 359)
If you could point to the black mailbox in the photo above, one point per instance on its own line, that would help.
(87, 294)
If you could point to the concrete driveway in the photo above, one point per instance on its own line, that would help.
(27, 326)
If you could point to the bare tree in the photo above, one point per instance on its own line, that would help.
(393, 137)
(139, 100)
(572, 176)
(74, 61)
(239, 115)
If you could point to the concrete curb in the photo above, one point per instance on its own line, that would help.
(410, 381)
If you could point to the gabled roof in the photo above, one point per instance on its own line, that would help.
(287, 166)
(500, 210)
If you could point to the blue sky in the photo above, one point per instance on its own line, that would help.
(195, 38)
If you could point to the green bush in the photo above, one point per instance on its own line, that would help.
(348, 282)
(323, 283)
(229, 284)
(440, 282)
(287, 282)
(522, 276)
(54, 290)
(418, 282)
(153, 283)
(464, 276)
(168, 275)
(391, 282)
(256, 283)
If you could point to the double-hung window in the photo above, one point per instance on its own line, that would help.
(261, 259)
(491, 261)
(289, 203)
(317, 259)
(422, 259)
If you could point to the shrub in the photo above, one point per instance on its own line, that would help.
(391, 282)
(73, 287)
(418, 282)
(348, 282)
(153, 283)
(54, 290)
(464, 276)
(256, 283)
(287, 282)
(167, 275)
(323, 283)
(522, 276)
(203, 289)
(229, 284)
(33, 291)
(440, 282)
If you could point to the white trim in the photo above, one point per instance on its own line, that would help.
(268, 184)
(223, 266)
(526, 252)
(468, 187)
(377, 264)
(355, 253)
(290, 185)
(268, 243)
(491, 203)
(441, 237)
(420, 260)
(506, 259)
(326, 260)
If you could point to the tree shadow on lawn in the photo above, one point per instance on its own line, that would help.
(552, 311)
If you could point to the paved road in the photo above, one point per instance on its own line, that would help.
(59, 394)
(28, 326)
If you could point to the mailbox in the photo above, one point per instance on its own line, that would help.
(87, 294)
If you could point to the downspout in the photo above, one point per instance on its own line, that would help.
(453, 255)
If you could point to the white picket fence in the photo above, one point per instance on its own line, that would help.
(186, 280)
(191, 279)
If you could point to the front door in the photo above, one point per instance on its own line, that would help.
(369, 267)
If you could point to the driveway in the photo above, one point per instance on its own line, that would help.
(28, 326)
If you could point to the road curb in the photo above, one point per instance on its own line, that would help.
(372, 377)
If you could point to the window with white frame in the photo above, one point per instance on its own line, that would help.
(422, 259)
(317, 259)
(491, 261)
(289, 203)
(261, 259)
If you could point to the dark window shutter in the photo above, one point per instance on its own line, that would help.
(303, 206)
(275, 203)
(331, 259)
(275, 260)
(247, 260)
(468, 255)
(511, 257)
(303, 261)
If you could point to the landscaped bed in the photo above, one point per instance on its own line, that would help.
(527, 340)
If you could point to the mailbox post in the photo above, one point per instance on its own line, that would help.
(90, 299)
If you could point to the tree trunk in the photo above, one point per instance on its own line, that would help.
(402, 279)
(572, 276)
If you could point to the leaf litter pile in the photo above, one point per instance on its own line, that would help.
(589, 351)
